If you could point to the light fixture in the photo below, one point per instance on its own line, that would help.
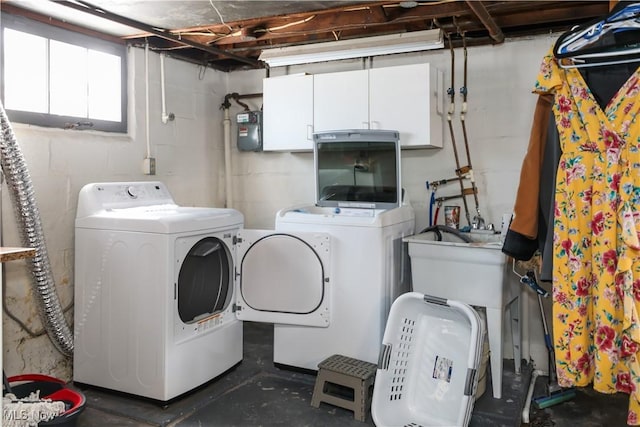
(354, 48)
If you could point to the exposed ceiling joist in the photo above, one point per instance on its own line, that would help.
(94, 10)
(195, 31)
(485, 17)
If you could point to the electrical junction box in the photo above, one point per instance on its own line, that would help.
(249, 130)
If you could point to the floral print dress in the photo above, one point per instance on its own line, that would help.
(596, 247)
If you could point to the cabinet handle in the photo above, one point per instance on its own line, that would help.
(375, 125)
(365, 125)
(309, 132)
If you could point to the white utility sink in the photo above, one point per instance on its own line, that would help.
(476, 273)
(451, 267)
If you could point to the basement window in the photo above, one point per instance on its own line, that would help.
(54, 77)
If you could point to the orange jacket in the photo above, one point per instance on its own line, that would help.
(522, 238)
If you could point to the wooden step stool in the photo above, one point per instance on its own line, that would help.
(348, 373)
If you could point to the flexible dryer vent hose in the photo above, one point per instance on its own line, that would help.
(27, 214)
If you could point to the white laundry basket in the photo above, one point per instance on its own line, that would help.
(428, 368)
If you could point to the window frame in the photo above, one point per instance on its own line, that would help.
(51, 32)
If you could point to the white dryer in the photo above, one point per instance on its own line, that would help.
(155, 306)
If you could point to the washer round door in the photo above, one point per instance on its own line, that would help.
(204, 281)
(283, 277)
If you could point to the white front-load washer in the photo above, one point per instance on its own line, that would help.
(160, 289)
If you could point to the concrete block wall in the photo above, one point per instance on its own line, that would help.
(190, 159)
(500, 112)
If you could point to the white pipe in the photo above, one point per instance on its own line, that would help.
(165, 117)
(527, 404)
(227, 159)
(146, 87)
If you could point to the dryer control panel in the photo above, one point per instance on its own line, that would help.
(98, 197)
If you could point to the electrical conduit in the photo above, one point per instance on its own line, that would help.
(27, 214)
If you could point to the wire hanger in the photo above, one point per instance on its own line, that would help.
(614, 39)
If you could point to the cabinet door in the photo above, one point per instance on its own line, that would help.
(341, 100)
(288, 113)
(409, 99)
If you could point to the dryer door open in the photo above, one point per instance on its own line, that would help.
(283, 277)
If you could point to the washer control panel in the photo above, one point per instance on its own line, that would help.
(132, 191)
(98, 197)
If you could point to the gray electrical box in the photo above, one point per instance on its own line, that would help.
(249, 130)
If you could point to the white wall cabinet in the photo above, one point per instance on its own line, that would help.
(341, 100)
(288, 113)
(408, 98)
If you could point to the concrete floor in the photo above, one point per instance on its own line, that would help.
(587, 409)
(256, 393)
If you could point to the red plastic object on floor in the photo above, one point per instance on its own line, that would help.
(54, 389)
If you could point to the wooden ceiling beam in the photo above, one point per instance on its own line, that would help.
(375, 13)
(485, 17)
(92, 10)
(521, 18)
(234, 44)
(378, 13)
(558, 13)
(379, 19)
(321, 26)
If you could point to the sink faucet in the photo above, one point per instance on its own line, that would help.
(478, 223)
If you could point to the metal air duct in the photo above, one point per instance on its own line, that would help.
(27, 214)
